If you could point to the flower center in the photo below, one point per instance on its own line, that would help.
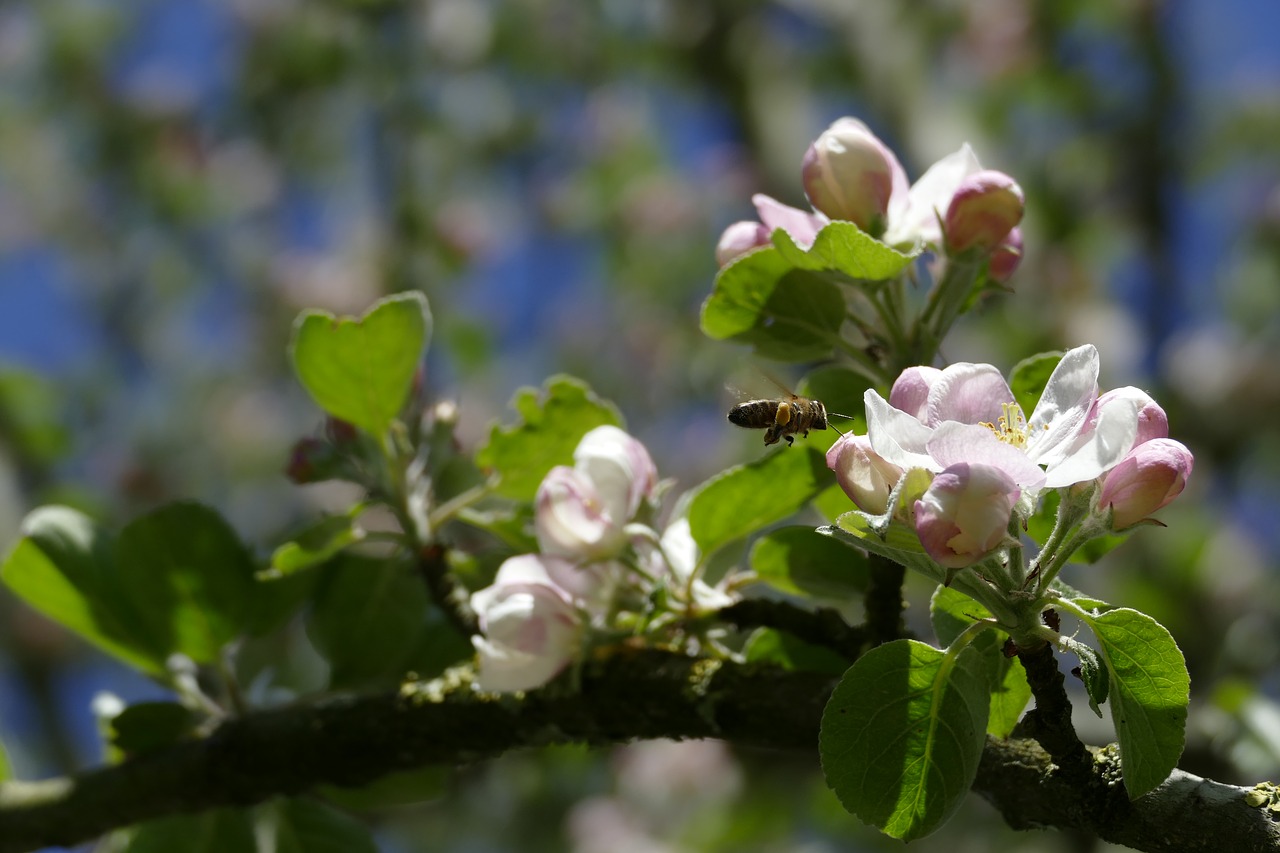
(1012, 426)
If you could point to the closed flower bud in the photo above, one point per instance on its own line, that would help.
(864, 476)
(1149, 477)
(985, 208)
(530, 627)
(965, 513)
(1006, 257)
(848, 174)
(738, 239)
(620, 468)
(910, 391)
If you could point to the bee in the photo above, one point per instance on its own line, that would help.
(780, 418)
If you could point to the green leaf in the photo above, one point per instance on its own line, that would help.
(1149, 692)
(148, 726)
(6, 768)
(845, 248)
(306, 826)
(898, 542)
(801, 561)
(742, 499)
(188, 580)
(1029, 376)
(782, 649)
(220, 831)
(313, 546)
(550, 427)
(63, 567)
(396, 789)
(951, 612)
(902, 735)
(788, 314)
(840, 389)
(1093, 672)
(31, 415)
(361, 370)
(366, 617)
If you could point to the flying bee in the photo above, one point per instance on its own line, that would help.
(780, 418)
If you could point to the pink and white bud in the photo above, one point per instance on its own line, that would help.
(738, 239)
(529, 624)
(1149, 477)
(802, 225)
(620, 467)
(985, 208)
(965, 513)
(864, 476)
(848, 174)
(910, 392)
(571, 519)
(1006, 257)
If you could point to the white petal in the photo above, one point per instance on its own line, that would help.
(897, 436)
(1110, 440)
(1064, 406)
(930, 196)
(968, 393)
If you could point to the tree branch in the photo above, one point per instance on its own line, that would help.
(630, 694)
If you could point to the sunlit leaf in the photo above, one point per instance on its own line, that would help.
(551, 425)
(902, 735)
(361, 370)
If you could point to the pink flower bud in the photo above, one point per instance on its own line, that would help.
(1149, 477)
(985, 208)
(848, 174)
(619, 467)
(529, 624)
(910, 392)
(1152, 421)
(738, 239)
(800, 224)
(865, 477)
(572, 521)
(1006, 257)
(965, 513)
(312, 461)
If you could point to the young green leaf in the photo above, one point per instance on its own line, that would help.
(844, 248)
(361, 370)
(317, 543)
(801, 561)
(951, 612)
(1028, 378)
(396, 789)
(742, 499)
(902, 735)
(6, 769)
(187, 578)
(782, 649)
(64, 568)
(788, 314)
(1149, 692)
(898, 543)
(306, 826)
(1093, 672)
(550, 427)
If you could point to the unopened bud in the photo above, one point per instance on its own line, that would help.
(965, 513)
(1148, 478)
(848, 174)
(1006, 257)
(985, 208)
(738, 239)
(866, 477)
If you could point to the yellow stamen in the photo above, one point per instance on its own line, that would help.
(1012, 426)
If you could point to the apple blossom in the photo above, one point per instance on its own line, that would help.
(985, 207)
(970, 415)
(864, 476)
(848, 174)
(529, 624)
(965, 513)
(915, 213)
(1151, 475)
(681, 553)
(581, 512)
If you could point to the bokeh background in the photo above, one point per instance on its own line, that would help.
(178, 178)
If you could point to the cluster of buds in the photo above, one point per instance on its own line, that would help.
(599, 563)
(849, 174)
(985, 464)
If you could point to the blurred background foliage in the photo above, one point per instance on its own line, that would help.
(179, 177)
